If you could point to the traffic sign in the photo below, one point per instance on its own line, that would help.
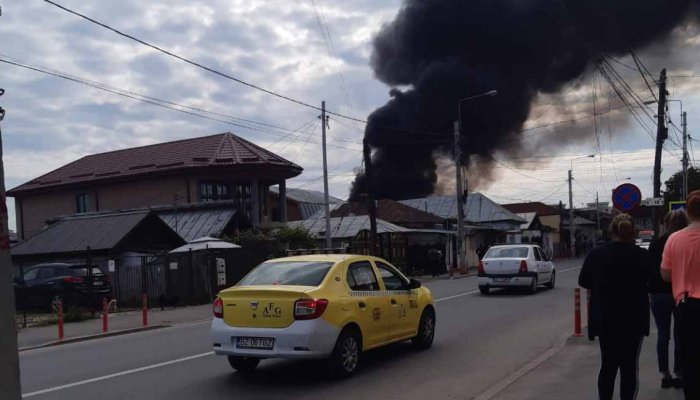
(677, 205)
(627, 197)
(654, 202)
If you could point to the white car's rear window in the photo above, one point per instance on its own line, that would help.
(507, 252)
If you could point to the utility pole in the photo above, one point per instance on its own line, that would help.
(685, 154)
(460, 199)
(9, 367)
(371, 206)
(661, 136)
(561, 229)
(326, 204)
(572, 225)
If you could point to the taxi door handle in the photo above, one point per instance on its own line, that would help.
(393, 302)
(362, 304)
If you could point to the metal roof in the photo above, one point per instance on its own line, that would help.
(76, 234)
(345, 227)
(307, 196)
(529, 219)
(478, 208)
(193, 224)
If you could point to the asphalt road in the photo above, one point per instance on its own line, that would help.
(479, 341)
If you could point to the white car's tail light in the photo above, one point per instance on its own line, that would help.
(218, 308)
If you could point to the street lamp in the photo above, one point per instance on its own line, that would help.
(572, 225)
(458, 158)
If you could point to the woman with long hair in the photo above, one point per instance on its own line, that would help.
(681, 267)
(617, 274)
(662, 304)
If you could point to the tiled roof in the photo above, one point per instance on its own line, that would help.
(225, 149)
(389, 210)
(541, 209)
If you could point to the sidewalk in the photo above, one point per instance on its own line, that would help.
(573, 372)
(36, 336)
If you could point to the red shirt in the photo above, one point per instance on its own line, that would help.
(682, 258)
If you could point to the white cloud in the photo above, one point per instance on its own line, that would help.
(275, 44)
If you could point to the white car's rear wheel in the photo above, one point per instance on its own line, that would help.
(552, 281)
(533, 286)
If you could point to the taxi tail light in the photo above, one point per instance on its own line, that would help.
(309, 308)
(218, 308)
(481, 268)
(523, 266)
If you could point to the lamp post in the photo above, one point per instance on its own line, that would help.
(572, 225)
(458, 166)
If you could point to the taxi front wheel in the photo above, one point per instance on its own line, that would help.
(243, 364)
(426, 330)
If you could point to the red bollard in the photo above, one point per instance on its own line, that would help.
(60, 319)
(105, 310)
(145, 310)
(577, 312)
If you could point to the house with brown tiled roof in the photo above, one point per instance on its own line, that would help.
(220, 168)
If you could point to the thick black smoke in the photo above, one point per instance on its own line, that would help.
(441, 51)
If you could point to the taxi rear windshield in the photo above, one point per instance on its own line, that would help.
(507, 252)
(298, 273)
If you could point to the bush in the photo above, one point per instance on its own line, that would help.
(277, 241)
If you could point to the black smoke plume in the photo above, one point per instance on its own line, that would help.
(436, 52)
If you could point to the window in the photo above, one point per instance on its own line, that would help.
(298, 273)
(538, 255)
(81, 203)
(31, 274)
(392, 281)
(214, 191)
(46, 272)
(361, 277)
(507, 252)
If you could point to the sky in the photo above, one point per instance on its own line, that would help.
(307, 50)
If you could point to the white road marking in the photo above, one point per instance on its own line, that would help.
(476, 291)
(118, 374)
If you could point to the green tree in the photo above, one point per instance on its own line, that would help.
(674, 184)
(277, 241)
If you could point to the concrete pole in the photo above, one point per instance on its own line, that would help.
(597, 213)
(460, 200)
(661, 136)
(572, 225)
(9, 366)
(326, 203)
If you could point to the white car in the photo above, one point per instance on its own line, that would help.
(515, 265)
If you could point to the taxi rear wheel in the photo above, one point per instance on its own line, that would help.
(426, 330)
(244, 365)
(346, 354)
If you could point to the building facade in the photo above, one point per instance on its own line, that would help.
(217, 168)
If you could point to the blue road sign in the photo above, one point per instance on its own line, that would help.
(627, 197)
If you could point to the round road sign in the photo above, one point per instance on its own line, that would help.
(627, 197)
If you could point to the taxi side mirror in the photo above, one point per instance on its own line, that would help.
(414, 284)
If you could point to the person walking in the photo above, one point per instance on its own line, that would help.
(681, 266)
(434, 260)
(617, 274)
(662, 304)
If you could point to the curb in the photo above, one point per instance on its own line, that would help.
(96, 336)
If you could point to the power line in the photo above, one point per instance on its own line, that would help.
(196, 112)
(196, 64)
(518, 172)
(640, 65)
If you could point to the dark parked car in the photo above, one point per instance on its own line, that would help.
(42, 285)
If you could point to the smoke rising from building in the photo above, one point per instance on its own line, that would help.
(436, 52)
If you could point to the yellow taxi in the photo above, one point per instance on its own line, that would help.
(320, 306)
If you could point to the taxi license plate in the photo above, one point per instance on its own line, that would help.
(255, 343)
